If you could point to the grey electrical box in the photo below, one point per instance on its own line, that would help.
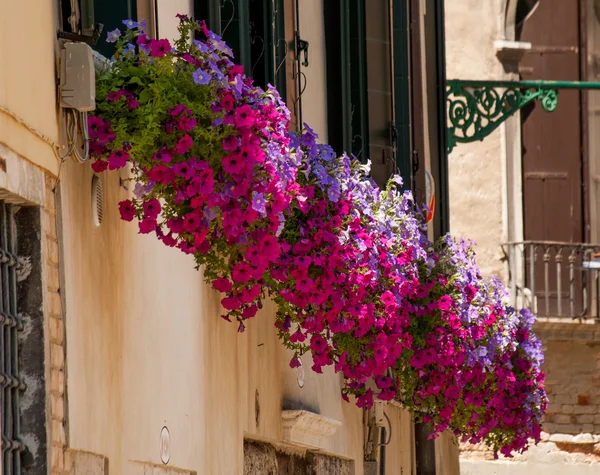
(77, 77)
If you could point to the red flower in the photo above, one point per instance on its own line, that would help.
(151, 208)
(184, 144)
(99, 166)
(244, 117)
(222, 284)
(158, 48)
(126, 210)
(117, 159)
(147, 225)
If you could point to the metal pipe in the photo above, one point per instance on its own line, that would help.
(532, 277)
(525, 84)
(572, 259)
(425, 450)
(298, 72)
(547, 280)
(558, 259)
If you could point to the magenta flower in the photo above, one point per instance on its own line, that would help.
(147, 225)
(242, 272)
(222, 284)
(126, 210)
(184, 144)
(117, 159)
(244, 117)
(151, 208)
(231, 303)
(158, 48)
(99, 166)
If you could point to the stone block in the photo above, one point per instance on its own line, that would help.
(587, 428)
(553, 408)
(57, 381)
(54, 304)
(567, 408)
(564, 399)
(58, 433)
(52, 278)
(52, 250)
(562, 419)
(87, 463)
(584, 419)
(569, 428)
(585, 438)
(585, 410)
(57, 458)
(583, 399)
(57, 333)
(57, 356)
(561, 438)
(58, 407)
(550, 428)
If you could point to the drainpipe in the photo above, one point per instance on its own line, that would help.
(424, 451)
(435, 78)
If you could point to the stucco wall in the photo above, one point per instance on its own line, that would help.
(476, 170)
(27, 89)
(147, 346)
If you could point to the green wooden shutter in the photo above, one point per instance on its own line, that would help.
(402, 114)
(345, 49)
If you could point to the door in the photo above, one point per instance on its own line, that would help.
(552, 145)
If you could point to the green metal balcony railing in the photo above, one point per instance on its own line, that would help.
(477, 108)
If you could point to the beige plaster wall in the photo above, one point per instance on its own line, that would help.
(147, 348)
(27, 88)
(476, 171)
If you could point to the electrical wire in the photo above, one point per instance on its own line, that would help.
(76, 125)
(390, 425)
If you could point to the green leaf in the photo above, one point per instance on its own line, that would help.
(136, 80)
(145, 96)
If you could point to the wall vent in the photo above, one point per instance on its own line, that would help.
(97, 200)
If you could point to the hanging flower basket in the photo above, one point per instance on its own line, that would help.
(273, 214)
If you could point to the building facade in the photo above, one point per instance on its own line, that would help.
(115, 359)
(528, 195)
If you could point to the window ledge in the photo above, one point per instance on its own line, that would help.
(306, 428)
(510, 53)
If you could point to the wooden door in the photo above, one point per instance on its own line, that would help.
(552, 142)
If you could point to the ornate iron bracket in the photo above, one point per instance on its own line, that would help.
(477, 108)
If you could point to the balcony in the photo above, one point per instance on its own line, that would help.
(558, 281)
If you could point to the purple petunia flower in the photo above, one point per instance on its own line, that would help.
(259, 202)
(113, 36)
(201, 77)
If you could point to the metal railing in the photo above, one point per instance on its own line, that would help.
(555, 279)
(11, 383)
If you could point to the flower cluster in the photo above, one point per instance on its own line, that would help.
(270, 213)
(209, 155)
(351, 256)
(474, 366)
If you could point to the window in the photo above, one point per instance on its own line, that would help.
(22, 368)
(11, 382)
(255, 30)
(82, 16)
